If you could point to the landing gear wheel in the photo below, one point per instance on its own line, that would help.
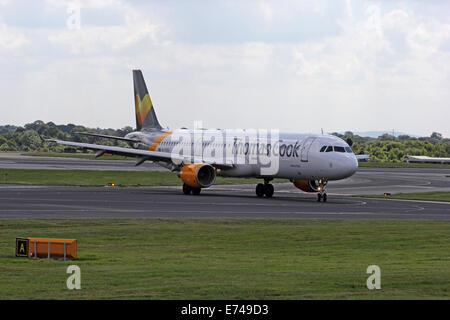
(269, 190)
(186, 189)
(322, 195)
(196, 191)
(260, 190)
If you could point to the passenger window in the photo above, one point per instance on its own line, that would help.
(323, 148)
(329, 149)
(339, 149)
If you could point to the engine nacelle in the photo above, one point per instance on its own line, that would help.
(198, 175)
(306, 185)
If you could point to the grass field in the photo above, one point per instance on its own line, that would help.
(231, 259)
(101, 178)
(430, 196)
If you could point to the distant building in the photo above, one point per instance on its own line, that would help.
(425, 159)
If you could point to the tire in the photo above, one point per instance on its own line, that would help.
(196, 191)
(269, 190)
(260, 190)
(319, 197)
(187, 189)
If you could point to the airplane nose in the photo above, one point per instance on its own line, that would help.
(351, 165)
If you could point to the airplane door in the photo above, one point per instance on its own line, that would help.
(305, 148)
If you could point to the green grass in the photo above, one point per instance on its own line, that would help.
(429, 196)
(378, 164)
(101, 178)
(231, 259)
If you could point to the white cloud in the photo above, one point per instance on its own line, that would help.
(89, 40)
(387, 66)
(95, 39)
(266, 10)
(11, 38)
(98, 4)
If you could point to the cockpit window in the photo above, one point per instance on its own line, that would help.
(323, 148)
(348, 149)
(329, 149)
(339, 149)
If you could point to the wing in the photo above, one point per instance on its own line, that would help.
(362, 156)
(128, 152)
(143, 155)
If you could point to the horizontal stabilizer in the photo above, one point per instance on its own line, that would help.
(105, 136)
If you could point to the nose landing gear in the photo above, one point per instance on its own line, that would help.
(265, 189)
(322, 195)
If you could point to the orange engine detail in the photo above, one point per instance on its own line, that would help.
(198, 175)
(306, 185)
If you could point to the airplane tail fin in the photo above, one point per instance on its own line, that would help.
(145, 113)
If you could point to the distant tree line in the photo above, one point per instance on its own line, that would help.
(393, 149)
(28, 137)
(384, 148)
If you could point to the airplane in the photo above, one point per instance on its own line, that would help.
(199, 155)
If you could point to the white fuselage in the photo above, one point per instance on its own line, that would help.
(298, 156)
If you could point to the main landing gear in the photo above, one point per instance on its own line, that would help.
(322, 195)
(191, 190)
(265, 189)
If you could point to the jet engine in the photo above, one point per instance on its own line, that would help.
(198, 175)
(307, 185)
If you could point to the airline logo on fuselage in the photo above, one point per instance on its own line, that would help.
(282, 150)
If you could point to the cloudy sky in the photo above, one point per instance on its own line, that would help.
(293, 65)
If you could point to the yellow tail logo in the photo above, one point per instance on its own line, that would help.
(142, 108)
